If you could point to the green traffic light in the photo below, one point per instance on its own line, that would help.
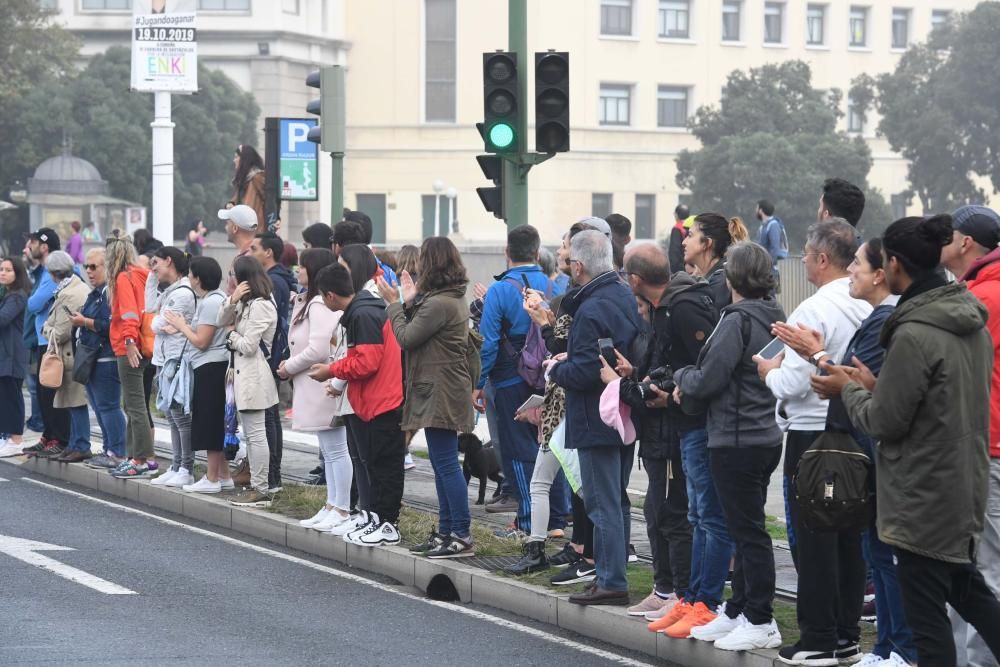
(501, 135)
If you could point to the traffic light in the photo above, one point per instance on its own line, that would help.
(492, 198)
(330, 133)
(552, 102)
(500, 101)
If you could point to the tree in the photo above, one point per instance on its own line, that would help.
(109, 126)
(773, 137)
(940, 109)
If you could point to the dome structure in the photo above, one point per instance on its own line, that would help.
(66, 174)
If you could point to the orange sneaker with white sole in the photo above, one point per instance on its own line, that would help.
(679, 611)
(699, 614)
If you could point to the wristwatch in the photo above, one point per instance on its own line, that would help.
(816, 358)
(130, 341)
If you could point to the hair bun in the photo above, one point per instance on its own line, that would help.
(936, 229)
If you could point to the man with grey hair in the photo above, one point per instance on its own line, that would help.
(605, 309)
(831, 570)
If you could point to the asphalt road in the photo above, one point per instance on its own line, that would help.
(181, 594)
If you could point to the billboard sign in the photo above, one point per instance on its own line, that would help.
(298, 165)
(164, 46)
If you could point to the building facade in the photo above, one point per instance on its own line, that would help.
(639, 69)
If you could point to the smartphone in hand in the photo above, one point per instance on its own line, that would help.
(607, 348)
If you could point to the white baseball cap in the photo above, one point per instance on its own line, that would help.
(241, 215)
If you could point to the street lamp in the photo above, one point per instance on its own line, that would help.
(438, 187)
(450, 194)
(18, 194)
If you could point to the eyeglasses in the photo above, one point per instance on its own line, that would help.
(92, 267)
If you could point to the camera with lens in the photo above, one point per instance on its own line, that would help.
(662, 378)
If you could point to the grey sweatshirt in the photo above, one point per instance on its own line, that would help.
(740, 406)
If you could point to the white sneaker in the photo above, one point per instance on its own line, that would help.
(9, 450)
(408, 463)
(227, 484)
(163, 478)
(869, 660)
(316, 518)
(356, 524)
(203, 485)
(894, 660)
(333, 520)
(718, 628)
(376, 534)
(181, 478)
(748, 637)
(275, 489)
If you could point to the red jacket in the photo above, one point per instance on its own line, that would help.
(127, 307)
(983, 280)
(373, 366)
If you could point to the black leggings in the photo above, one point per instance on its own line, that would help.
(147, 388)
(583, 528)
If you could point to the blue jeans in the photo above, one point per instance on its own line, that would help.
(711, 546)
(452, 492)
(604, 473)
(893, 632)
(506, 487)
(79, 429)
(105, 393)
(34, 422)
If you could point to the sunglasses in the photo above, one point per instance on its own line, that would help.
(92, 267)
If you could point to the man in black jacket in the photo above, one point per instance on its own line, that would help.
(267, 247)
(682, 316)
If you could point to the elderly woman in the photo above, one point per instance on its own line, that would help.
(744, 448)
(104, 389)
(70, 295)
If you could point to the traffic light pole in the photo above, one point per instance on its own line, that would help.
(337, 188)
(515, 175)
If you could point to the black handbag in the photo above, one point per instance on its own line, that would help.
(84, 362)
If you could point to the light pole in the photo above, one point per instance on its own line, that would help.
(451, 193)
(438, 187)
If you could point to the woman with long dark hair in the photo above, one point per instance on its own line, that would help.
(251, 318)
(209, 361)
(172, 356)
(14, 289)
(360, 261)
(248, 181)
(431, 323)
(311, 339)
(705, 248)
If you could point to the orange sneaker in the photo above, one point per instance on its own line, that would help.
(699, 614)
(679, 611)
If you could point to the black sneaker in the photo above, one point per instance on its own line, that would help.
(433, 541)
(567, 556)
(633, 557)
(318, 470)
(848, 650)
(454, 547)
(796, 655)
(532, 559)
(580, 573)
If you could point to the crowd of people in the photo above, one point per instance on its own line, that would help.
(575, 357)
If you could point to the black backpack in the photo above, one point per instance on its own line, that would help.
(831, 486)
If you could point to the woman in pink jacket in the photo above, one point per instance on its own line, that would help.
(312, 336)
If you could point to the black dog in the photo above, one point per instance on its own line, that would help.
(480, 461)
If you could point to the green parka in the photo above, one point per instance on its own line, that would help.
(930, 410)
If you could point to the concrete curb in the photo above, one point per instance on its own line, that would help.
(607, 624)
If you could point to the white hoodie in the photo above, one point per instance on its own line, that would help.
(836, 315)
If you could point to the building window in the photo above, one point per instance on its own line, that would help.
(105, 5)
(675, 19)
(616, 17)
(224, 5)
(645, 216)
(816, 25)
(859, 26)
(898, 203)
(600, 204)
(439, 61)
(290, 6)
(671, 106)
(900, 28)
(616, 102)
(774, 17)
(855, 119)
(939, 18)
(730, 21)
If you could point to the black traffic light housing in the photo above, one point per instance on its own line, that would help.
(492, 198)
(552, 102)
(501, 102)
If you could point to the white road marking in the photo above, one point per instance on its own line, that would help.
(472, 613)
(3, 479)
(26, 551)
